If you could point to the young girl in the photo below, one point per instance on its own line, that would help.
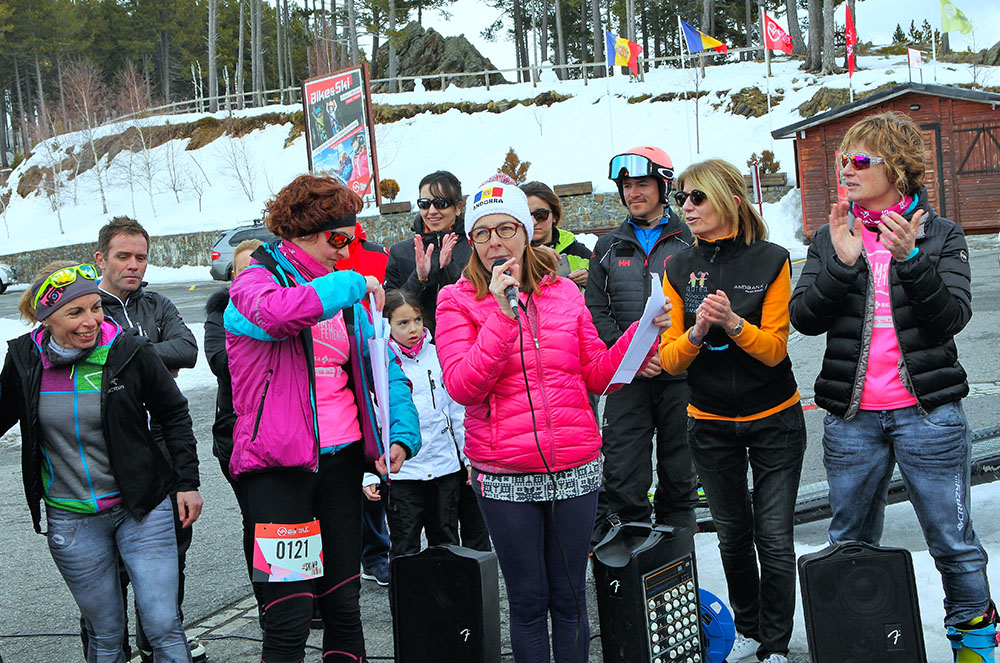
(424, 494)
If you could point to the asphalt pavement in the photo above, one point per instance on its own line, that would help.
(38, 618)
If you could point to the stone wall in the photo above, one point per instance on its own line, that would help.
(581, 213)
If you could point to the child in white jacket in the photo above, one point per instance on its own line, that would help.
(424, 494)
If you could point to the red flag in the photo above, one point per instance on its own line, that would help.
(774, 37)
(852, 38)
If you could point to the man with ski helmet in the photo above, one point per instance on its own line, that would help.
(654, 402)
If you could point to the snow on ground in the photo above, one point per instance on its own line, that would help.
(569, 141)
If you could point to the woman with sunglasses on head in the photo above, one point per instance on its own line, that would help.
(546, 210)
(730, 295)
(83, 391)
(297, 339)
(438, 251)
(523, 374)
(888, 282)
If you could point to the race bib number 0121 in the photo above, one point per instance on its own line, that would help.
(287, 553)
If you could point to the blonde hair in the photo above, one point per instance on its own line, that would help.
(26, 304)
(537, 263)
(721, 180)
(248, 245)
(896, 138)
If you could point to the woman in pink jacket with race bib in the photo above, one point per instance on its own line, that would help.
(523, 374)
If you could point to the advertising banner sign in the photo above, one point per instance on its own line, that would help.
(339, 136)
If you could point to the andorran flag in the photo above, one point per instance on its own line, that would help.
(699, 41)
(622, 52)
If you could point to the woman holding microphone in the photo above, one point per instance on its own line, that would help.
(730, 295)
(523, 374)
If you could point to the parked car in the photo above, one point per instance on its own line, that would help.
(222, 250)
(8, 276)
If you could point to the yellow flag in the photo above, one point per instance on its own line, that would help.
(953, 20)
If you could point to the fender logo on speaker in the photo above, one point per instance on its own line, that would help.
(893, 634)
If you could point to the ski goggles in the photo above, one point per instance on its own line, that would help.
(697, 197)
(62, 278)
(634, 165)
(337, 240)
(859, 160)
(438, 203)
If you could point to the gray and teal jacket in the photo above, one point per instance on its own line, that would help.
(85, 439)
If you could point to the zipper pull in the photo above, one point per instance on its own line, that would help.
(535, 339)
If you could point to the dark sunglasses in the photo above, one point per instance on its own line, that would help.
(697, 197)
(505, 230)
(541, 214)
(336, 239)
(439, 203)
(859, 161)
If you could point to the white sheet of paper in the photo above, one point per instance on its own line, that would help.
(635, 356)
(379, 350)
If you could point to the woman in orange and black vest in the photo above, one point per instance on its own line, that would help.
(730, 294)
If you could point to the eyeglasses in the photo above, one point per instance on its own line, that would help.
(337, 240)
(859, 160)
(541, 214)
(697, 197)
(63, 277)
(504, 231)
(634, 165)
(439, 203)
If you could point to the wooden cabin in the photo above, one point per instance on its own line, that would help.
(961, 134)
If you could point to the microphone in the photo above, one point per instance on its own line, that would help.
(509, 292)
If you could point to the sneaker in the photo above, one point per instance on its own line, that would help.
(380, 574)
(198, 653)
(743, 648)
(775, 658)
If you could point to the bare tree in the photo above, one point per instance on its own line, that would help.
(176, 169)
(393, 55)
(48, 150)
(199, 180)
(281, 52)
(829, 66)
(239, 58)
(560, 43)
(598, 36)
(86, 96)
(708, 16)
(237, 164)
(213, 74)
(814, 55)
(352, 24)
(792, 10)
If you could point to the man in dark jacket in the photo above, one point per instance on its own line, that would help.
(655, 402)
(888, 281)
(122, 256)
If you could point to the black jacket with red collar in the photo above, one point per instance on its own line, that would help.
(619, 283)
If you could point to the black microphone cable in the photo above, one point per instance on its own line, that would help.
(548, 470)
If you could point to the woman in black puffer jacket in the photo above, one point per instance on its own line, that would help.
(888, 281)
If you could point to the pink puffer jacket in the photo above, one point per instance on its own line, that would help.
(479, 350)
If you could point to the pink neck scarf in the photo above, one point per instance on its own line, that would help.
(415, 350)
(872, 219)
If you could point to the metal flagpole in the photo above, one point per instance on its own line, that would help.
(767, 61)
(934, 43)
(687, 117)
(607, 90)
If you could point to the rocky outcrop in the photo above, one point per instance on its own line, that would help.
(424, 52)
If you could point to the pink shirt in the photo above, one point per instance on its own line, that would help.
(335, 405)
(883, 388)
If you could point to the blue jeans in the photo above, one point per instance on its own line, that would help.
(755, 529)
(542, 552)
(934, 452)
(86, 549)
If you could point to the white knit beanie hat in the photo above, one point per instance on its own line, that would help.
(499, 195)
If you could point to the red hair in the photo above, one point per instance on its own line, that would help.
(308, 203)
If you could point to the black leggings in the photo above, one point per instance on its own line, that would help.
(333, 496)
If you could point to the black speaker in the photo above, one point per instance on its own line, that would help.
(860, 605)
(647, 595)
(445, 604)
